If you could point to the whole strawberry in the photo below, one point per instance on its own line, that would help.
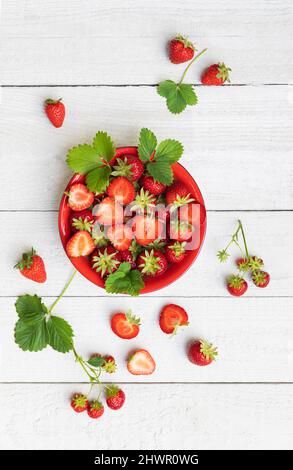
(202, 353)
(129, 166)
(32, 267)
(152, 263)
(115, 397)
(175, 252)
(152, 186)
(180, 50)
(95, 409)
(236, 285)
(261, 278)
(110, 365)
(216, 74)
(55, 111)
(79, 402)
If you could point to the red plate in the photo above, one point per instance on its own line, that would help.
(174, 271)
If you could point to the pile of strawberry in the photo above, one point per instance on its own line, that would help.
(115, 218)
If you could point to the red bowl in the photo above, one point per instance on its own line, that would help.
(82, 264)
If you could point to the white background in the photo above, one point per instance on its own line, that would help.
(104, 59)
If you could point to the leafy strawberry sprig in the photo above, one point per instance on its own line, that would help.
(179, 95)
(159, 158)
(93, 161)
(125, 281)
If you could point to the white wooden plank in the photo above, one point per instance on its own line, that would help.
(206, 417)
(254, 339)
(269, 235)
(85, 42)
(238, 141)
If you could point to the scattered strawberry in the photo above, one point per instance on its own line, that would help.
(120, 236)
(121, 190)
(129, 166)
(115, 397)
(125, 326)
(202, 353)
(80, 244)
(79, 402)
(105, 260)
(171, 317)
(127, 256)
(141, 363)
(32, 267)
(146, 229)
(236, 285)
(178, 194)
(79, 197)
(216, 74)
(110, 365)
(95, 409)
(175, 252)
(109, 212)
(81, 220)
(55, 111)
(180, 230)
(261, 278)
(152, 186)
(180, 50)
(152, 263)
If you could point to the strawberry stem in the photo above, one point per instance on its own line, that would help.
(190, 63)
(243, 236)
(62, 292)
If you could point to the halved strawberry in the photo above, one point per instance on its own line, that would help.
(120, 236)
(80, 244)
(79, 197)
(108, 212)
(141, 363)
(81, 220)
(171, 317)
(121, 190)
(125, 325)
(146, 229)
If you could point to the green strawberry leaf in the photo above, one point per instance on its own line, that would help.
(161, 171)
(188, 93)
(147, 144)
(178, 96)
(96, 361)
(83, 158)
(104, 146)
(30, 309)
(31, 337)
(124, 281)
(60, 334)
(97, 180)
(170, 150)
(166, 88)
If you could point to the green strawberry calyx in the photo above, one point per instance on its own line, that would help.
(208, 350)
(185, 41)
(223, 72)
(26, 260)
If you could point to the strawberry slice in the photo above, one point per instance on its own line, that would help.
(171, 317)
(141, 363)
(108, 212)
(79, 197)
(125, 325)
(80, 244)
(122, 190)
(120, 236)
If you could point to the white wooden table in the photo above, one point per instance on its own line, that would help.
(104, 59)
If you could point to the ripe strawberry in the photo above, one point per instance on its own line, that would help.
(177, 194)
(121, 190)
(255, 263)
(180, 50)
(105, 260)
(125, 325)
(32, 267)
(141, 363)
(79, 197)
(216, 74)
(108, 212)
(120, 236)
(243, 264)
(146, 229)
(236, 285)
(202, 353)
(175, 252)
(129, 166)
(171, 317)
(152, 263)
(95, 409)
(261, 278)
(152, 186)
(180, 230)
(79, 402)
(115, 397)
(143, 201)
(110, 366)
(55, 111)
(80, 244)
(127, 256)
(81, 220)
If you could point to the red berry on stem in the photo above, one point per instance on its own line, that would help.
(236, 285)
